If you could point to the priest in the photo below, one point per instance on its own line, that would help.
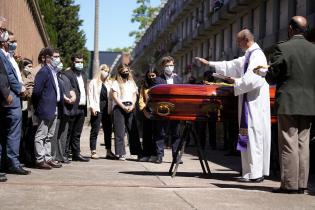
(253, 106)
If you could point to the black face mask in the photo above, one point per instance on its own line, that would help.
(124, 75)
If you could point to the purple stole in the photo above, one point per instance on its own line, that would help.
(243, 132)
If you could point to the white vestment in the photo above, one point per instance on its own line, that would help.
(256, 159)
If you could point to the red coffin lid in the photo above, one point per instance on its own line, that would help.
(194, 90)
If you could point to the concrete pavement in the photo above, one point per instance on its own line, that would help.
(109, 184)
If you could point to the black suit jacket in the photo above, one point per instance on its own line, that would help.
(4, 84)
(292, 69)
(72, 76)
(162, 80)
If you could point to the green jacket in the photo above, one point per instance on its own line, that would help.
(292, 69)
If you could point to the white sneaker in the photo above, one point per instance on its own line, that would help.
(122, 157)
(94, 155)
(153, 159)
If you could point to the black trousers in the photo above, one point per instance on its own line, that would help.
(107, 124)
(202, 132)
(74, 133)
(62, 139)
(149, 148)
(126, 121)
(95, 127)
(159, 135)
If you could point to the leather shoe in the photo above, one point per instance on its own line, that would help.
(159, 160)
(66, 161)
(258, 180)
(80, 158)
(302, 190)
(43, 165)
(280, 190)
(18, 170)
(54, 164)
(3, 178)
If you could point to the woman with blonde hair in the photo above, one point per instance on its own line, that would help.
(100, 106)
(124, 93)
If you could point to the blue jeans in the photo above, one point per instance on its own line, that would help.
(12, 121)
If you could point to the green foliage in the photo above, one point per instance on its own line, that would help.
(118, 49)
(62, 22)
(144, 15)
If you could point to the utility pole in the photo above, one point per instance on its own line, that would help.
(96, 59)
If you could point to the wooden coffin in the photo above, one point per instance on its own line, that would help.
(195, 102)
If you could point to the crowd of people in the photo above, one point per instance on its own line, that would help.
(43, 108)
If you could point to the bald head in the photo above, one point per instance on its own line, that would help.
(245, 39)
(297, 25)
(245, 34)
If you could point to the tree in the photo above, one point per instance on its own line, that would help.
(118, 49)
(62, 22)
(144, 15)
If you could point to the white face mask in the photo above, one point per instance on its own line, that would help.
(104, 74)
(55, 62)
(27, 69)
(78, 66)
(4, 36)
(169, 70)
(60, 66)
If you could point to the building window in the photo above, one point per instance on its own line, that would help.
(245, 21)
(217, 4)
(284, 13)
(269, 17)
(256, 23)
(301, 8)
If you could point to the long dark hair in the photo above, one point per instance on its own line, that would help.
(24, 62)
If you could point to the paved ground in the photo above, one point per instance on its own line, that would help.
(107, 184)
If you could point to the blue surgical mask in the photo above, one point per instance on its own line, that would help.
(12, 46)
(55, 62)
(78, 66)
(60, 66)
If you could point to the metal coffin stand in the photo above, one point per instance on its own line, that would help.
(190, 103)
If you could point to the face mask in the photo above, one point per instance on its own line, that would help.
(124, 75)
(12, 47)
(78, 66)
(104, 74)
(27, 69)
(4, 36)
(55, 62)
(60, 66)
(169, 70)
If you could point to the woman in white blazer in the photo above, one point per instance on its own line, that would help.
(101, 108)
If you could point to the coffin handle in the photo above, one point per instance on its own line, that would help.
(164, 108)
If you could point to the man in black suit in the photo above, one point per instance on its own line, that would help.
(292, 70)
(5, 99)
(78, 80)
(160, 127)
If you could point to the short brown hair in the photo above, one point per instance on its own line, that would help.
(166, 59)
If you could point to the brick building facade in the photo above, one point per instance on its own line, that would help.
(189, 28)
(25, 21)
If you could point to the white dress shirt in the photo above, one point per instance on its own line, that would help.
(82, 90)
